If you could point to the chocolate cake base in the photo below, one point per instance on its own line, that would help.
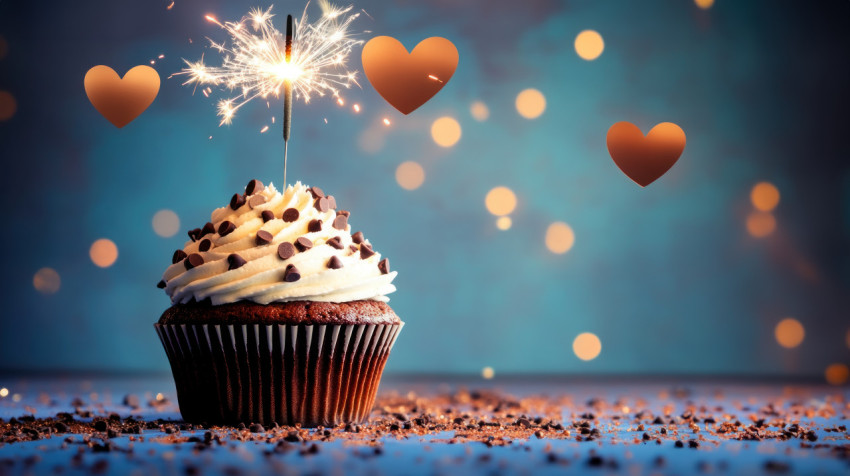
(296, 312)
(312, 374)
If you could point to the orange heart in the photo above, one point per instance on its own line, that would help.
(120, 100)
(645, 159)
(409, 80)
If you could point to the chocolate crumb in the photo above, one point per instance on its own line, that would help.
(267, 215)
(253, 187)
(264, 238)
(205, 245)
(366, 251)
(335, 242)
(340, 222)
(226, 227)
(237, 201)
(314, 226)
(178, 256)
(193, 261)
(291, 274)
(290, 215)
(357, 237)
(286, 250)
(384, 266)
(303, 243)
(334, 263)
(257, 428)
(235, 261)
(256, 201)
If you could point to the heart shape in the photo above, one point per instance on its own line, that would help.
(645, 159)
(409, 80)
(120, 100)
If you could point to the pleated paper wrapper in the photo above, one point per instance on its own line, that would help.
(315, 375)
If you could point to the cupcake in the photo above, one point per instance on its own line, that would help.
(279, 313)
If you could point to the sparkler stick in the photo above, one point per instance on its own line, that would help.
(287, 94)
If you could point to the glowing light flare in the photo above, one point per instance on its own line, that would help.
(410, 175)
(356, 107)
(837, 374)
(530, 103)
(46, 281)
(103, 253)
(587, 346)
(500, 201)
(559, 238)
(764, 196)
(760, 224)
(446, 131)
(170, 6)
(704, 4)
(4, 392)
(589, 45)
(789, 333)
(504, 223)
(431, 76)
(386, 121)
(488, 373)
(254, 61)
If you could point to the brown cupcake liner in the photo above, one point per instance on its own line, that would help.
(315, 375)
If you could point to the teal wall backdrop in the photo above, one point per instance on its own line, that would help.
(667, 277)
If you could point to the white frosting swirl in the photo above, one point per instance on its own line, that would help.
(261, 279)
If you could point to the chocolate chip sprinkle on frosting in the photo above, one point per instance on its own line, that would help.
(234, 262)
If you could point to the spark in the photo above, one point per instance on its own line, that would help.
(386, 121)
(434, 77)
(254, 65)
(264, 129)
(170, 6)
(357, 108)
(161, 56)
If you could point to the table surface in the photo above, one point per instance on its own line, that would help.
(443, 426)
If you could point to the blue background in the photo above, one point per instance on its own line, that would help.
(666, 276)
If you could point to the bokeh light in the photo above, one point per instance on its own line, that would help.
(530, 103)
(46, 281)
(760, 224)
(587, 346)
(589, 45)
(4, 392)
(103, 253)
(409, 175)
(704, 4)
(500, 201)
(445, 131)
(4, 47)
(479, 111)
(837, 374)
(8, 105)
(789, 333)
(847, 338)
(165, 223)
(504, 223)
(765, 196)
(559, 237)
(488, 373)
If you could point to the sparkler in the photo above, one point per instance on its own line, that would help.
(259, 61)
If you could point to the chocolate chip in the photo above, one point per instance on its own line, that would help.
(321, 204)
(205, 245)
(314, 226)
(195, 234)
(207, 229)
(253, 187)
(286, 250)
(291, 274)
(178, 256)
(335, 242)
(366, 251)
(264, 237)
(256, 427)
(334, 263)
(384, 266)
(235, 261)
(357, 237)
(343, 212)
(267, 215)
(290, 215)
(193, 261)
(161, 284)
(353, 248)
(100, 425)
(303, 244)
(317, 192)
(237, 201)
(226, 228)
(256, 201)
(340, 222)
(332, 202)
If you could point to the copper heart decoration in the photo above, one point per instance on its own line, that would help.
(409, 80)
(645, 159)
(120, 100)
